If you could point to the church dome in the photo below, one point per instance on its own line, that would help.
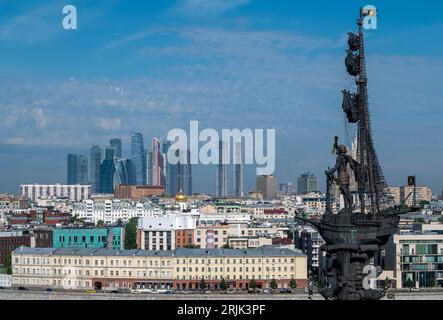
(181, 197)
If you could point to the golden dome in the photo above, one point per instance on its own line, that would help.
(181, 197)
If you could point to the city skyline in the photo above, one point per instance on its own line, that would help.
(158, 68)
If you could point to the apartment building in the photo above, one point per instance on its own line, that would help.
(111, 211)
(417, 257)
(71, 192)
(178, 269)
(165, 233)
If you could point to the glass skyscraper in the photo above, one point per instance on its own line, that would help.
(123, 172)
(95, 160)
(116, 144)
(77, 169)
(107, 169)
(138, 156)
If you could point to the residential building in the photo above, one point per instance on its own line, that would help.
(106, 237)
(5, 281)
(309, 241)
(137, 192)
(417, 257)
(183, 269)
(71, 192)
(42, 237)
(111, 211)
(268, 186)
(307, 183)
(406, 194)
(11, 240)
(165, 233)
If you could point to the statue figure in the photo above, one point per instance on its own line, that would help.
(343, 177)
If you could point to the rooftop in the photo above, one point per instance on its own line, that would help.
(180, 252)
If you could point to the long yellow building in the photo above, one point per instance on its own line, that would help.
(181, 269)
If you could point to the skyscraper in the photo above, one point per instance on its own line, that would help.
(178, 176)
(268, 186)
(77, 169)
(158, 173)
(307, 183)
(116, 144)
(149, 168)
(107, 170)
(123, 172)
(138, 156)
(95, 158)
(238, 170)
(222, 172)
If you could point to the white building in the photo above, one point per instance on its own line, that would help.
(162, 233)
(5, 281)
(71, 192)
(110, 211)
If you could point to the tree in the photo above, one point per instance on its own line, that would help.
(273, 284)
(131, 234)
(290, 234)
(100, 223)
(293, 284)
(202, 284)
(8, 263)
(253, 284)
(440, 219)
(419, 220)
(226, 246)
(430, 283)
(223, 285)
(408, 283)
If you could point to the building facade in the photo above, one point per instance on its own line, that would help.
(165, 233)
(96, 238)
(138, 157)
(111, 211)
(71, 192)
(137, 192)
(182, 269)
(77, 169)
(268, 186)
(307, 183)
(95, 160)
(11, 240)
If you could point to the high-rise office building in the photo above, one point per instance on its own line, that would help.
(222, 172)
(238, 170)
(268, 186)
(107, 170)
(138, 157)
(149, 168)
(307, 183)
(168, 168)
(123, 172)
(77, 169)
(95, 160)
(158, 173)
(116, 144)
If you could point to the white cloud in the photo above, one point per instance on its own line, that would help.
(14, 141)
(40, 118)
(206, 7)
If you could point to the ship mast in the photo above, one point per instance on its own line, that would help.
(372, 187)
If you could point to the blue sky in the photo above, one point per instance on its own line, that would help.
(151, 66)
